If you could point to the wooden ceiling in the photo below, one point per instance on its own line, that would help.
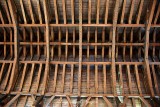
(79, 53)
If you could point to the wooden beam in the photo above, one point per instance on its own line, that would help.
(39, 11)
(138, 80)
(69, 101)
(157, 14)
(31, 11)
(7, 76)
(107, 102)
(131, 12)
(133, 102)
(123, 11)
(38, 78)
(96, 78)
(12, 101)
(72, 10)
(23, 76)
(155, 79)
(80, 47)
(124, 101)
(31, 77)
(72, 78)
(106, 12)
(144, 101)
(121, 79)
(129, 79)
(23, 12)
(139, 12)
(2, 70)
(63, 78)
(87, 101)
(113, 71)
(49, 101)
(56, 11)
(104, 79)
(55, 77)
(47, 67)
(16, 42)
(64, 11)
(149, 21)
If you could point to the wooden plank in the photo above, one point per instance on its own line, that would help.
(87, 101)
(49, 101)
(12, 101)
(144, 101)
(107, 102)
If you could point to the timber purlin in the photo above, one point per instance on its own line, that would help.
(79, 53)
